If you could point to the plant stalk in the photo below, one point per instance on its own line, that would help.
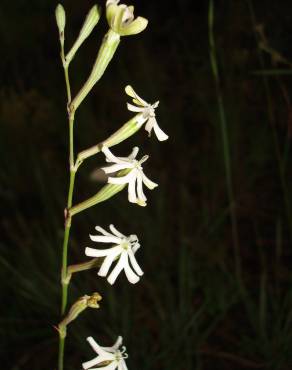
(225, 142)
(68, 218)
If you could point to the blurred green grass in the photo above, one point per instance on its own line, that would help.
(189, 311)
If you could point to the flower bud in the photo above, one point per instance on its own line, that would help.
(121, 19)
(105, 54)
(90, 22)
(61, 20)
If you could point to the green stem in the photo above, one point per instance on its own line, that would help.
(65, 250)
(61, 353)
(66, 73)
(225, 141)
(62, 334)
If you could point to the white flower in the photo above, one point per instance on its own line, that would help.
(110, 358)
(124, 249)
(134, 178)
(147, 113)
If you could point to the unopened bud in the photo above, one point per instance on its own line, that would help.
(90, 22)
(105, 54)
(60, 19)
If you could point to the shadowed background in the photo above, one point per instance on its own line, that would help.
(214, 296)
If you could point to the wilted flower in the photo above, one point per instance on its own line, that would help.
(147, 113)
(121, 19)
(108, 358)
(124, 250)
(134, 178)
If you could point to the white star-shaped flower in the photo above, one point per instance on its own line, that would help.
(147, 113)
(135, 178)
(108, 358)
(124, 250)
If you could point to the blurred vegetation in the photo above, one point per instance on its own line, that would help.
(192, 309)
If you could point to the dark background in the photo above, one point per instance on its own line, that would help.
(212, 297)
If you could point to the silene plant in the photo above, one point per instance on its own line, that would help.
(122, 172)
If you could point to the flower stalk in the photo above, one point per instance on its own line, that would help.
(104, 194)
(124, 171)
(93, 263)
(127, 130)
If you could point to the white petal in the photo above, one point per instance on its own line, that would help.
(134, 263)
(161, 136)
(134, 153)
(140, 119)
(132, 196)
(117, 344)
(133, 238)
(131, 276)
(92, 252)
(136, 247)
(149, 125)
(140, 193)
(134, 108)
(96, 347)
(88, 364)
(105, 239)
(130, 91)
(115, 168)
(104, 268)
(118, 268)
(116, 232)
(120, 180)
(150, 184)
(155, 105)
(110, 156)
(102, 231)
(122, 365)
(110, 2)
